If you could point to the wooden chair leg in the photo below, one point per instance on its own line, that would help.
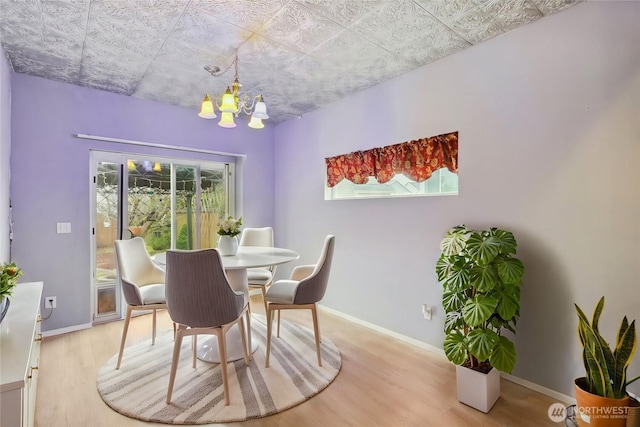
(127, 319)
(249, 342)
(264, 297)
(269, 321)
(195, 349)
(174, 362)
(316, 331)
(222, 349)
(249, 327)
(278, 334)
(153, 333)
(243, 335)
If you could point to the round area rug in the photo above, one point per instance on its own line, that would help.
(139, 388)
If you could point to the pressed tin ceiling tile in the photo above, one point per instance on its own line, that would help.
(244, 14)
(511, 14)
(446, 10)
(209, 33)
(547, 7)
(296, 27)
(300, 54)
(411, 32)
(344, 12)
(62, 72)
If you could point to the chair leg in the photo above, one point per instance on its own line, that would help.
(264, 297)
(174, 362)
(174, 331)
(243, 335)
(249, 345)
(195, 348)
(278, 334)
(222, 349)
(269, 321)
(249, 328)
(153, 333)
(127, 319)
(316, 331)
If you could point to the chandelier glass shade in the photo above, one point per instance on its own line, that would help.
(233, 103)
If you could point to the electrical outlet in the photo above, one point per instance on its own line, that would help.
(426, 311)
(50, 302)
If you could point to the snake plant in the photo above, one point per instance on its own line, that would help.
(606, 370)
(481, 295)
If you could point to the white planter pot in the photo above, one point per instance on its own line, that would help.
(228, 245)
(478, 390)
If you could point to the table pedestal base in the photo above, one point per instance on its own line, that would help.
(208, 346)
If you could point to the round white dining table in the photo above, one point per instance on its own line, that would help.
(236, 268)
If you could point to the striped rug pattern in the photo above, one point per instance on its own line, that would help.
(139, 388)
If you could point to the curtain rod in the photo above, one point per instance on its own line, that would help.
(149, 144)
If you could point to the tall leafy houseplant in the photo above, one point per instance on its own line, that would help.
(481, 296)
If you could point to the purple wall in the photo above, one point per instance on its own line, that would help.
(549, 147)
(50, 179)
(5, 154)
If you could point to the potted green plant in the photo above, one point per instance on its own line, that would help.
(481, 281)
(9, 275)
(228, 231)
(601, 395)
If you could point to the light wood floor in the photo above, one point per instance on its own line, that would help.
(383, 382)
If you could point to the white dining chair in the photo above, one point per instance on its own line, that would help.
(259, 278)
(303, 290)
(142, 284)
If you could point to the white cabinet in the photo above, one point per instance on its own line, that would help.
(20, 356)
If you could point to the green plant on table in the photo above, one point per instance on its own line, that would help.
(481, 296)
(606, 370)
(230, 227)
(9, 275)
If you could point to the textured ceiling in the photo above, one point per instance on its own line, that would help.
(300, 54)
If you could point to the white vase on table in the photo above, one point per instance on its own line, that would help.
(228, 245)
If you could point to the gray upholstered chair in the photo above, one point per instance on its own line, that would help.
(142, 283)
(201, 301)
(259, 277)
(303, 290)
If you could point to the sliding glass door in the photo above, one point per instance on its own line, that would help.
(107, 223)
(170, 203)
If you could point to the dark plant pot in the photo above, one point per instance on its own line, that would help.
(4, 307)
(597, 411)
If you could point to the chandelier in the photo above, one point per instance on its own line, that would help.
(233, 102)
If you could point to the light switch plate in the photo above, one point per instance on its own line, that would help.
(63, 227)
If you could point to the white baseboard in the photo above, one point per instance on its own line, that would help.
(417, 343)
(525, 383)
(561, 397)
(66, 330)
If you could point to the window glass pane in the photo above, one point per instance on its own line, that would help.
(106, 300)
(449, 181)
(107, 187)
(149, 203)
(185, 207)
(214, 203)
(441, 182)
(433, 183)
